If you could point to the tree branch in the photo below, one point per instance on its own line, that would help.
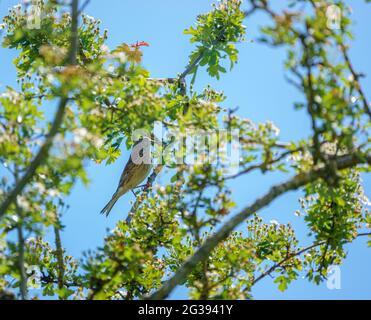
(43, 153)
(21, 247)
(298, 253)
(59, 253)
(48, 279)
(294, 183)
(263, 166)
(21, 263)
(83, 7)
(191, 65)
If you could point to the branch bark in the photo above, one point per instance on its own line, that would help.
(294, 183)
(59, 252)
(23, 289)
(21, 264)
(43, 153)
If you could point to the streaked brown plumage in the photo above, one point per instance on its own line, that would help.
(132, 175)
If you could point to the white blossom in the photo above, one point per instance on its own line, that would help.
(274, 222)
(13, 96)
(79, 135)
(50, 78)
(318, 99)
(97, 142)
(364, 200)
(104, 48)
(23, 203)
(42, 176)
(111, 68)
(271, 126)
(17, 7)
(40, 187)
(53, 193)
(121, 56)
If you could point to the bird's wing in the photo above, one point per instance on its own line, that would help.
(126, 173)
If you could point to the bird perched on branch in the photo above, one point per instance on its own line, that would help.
(136, 170)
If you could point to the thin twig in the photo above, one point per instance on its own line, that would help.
(83, 7)
(366, 105)
(21, 263)
(21, 247)
(59, 252)
(264, 165)
(192, 65)
(298, 253)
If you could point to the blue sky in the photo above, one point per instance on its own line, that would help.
(256, 85)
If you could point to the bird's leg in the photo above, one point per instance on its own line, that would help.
(148, 184)
(132, 190)
(142, 186)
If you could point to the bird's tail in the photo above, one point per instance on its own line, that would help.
(107, 209)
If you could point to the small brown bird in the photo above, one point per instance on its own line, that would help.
(136, 170)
